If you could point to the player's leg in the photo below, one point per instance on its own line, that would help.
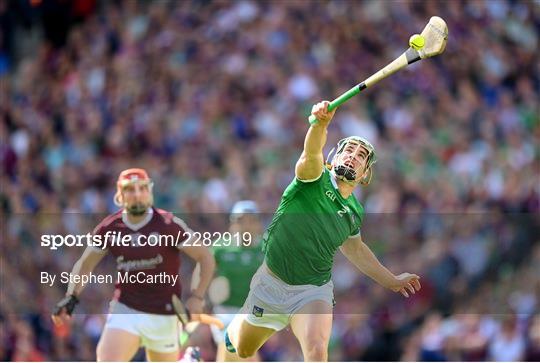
(247, 338)
(265, 311)
(121, 337)
(223, 355)
(153, 356)
(160, 336)
(117, 345)
(312, 326)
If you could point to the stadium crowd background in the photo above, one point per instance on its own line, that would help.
(211, 97)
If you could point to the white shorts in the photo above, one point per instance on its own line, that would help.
(159, 333)
(271, 303)
(226, 314)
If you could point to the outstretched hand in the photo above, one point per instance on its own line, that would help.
(407, 283)
(320, 111)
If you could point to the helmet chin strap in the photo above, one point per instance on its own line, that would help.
(351, 173)
(345, 172)
(343, 177)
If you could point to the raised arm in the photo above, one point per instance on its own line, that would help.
(310, 164)
(359, 254)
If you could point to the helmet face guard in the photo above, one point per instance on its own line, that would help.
(343, 164)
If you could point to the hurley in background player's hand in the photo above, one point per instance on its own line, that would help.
(320, 111)
(61, 318)
(406, 281)
(63, 310)
(195, 306)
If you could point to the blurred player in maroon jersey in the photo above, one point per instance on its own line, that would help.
(141, 313)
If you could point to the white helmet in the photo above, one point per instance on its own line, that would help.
(243, 207)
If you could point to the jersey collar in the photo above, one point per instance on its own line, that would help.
(141, 224)
(333, 180)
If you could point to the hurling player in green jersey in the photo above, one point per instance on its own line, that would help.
(317, 215)
(236, 263)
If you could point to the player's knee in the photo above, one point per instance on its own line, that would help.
(244, 351)
(244, 354)
(317, 350)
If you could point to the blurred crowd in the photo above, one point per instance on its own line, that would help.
(212, 98)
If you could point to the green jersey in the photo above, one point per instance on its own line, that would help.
(312, 221)
(238, 265)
